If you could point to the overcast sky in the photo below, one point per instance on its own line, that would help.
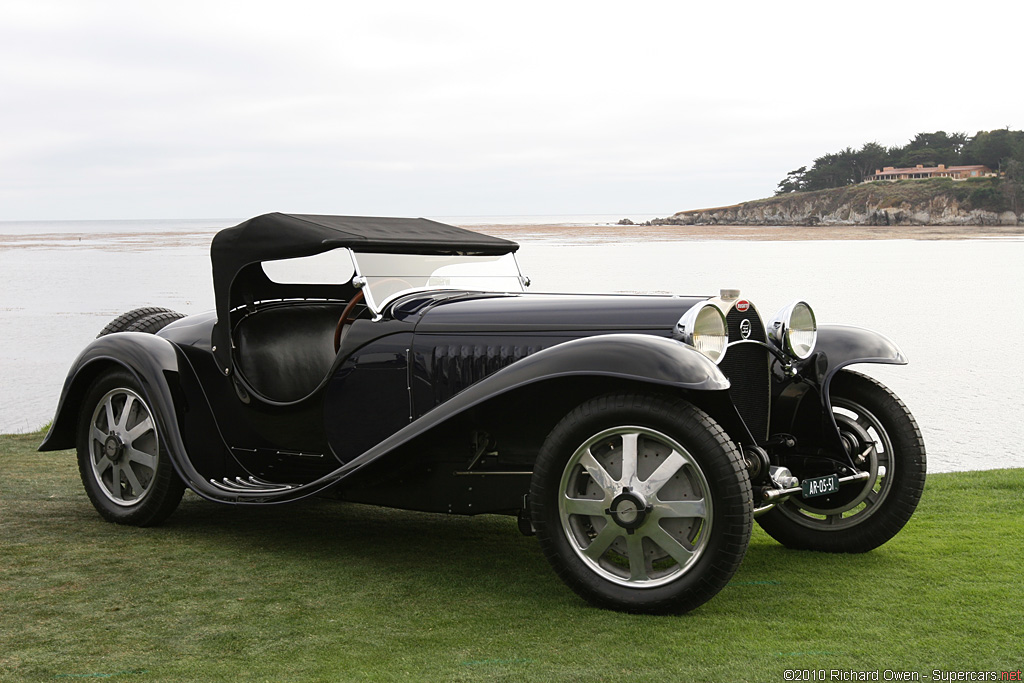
(219, 109)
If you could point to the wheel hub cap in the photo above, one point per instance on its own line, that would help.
(113, 448)
(629, 509)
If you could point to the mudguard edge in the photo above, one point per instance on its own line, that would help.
(154, 362)
(847, 344)
(838, 346)
(144, 355)
(152, 359)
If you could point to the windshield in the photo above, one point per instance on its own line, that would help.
(387, 275)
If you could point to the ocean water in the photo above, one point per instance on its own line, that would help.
(949, 304)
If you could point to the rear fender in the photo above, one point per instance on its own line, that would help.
(159, 367)
(146, 356)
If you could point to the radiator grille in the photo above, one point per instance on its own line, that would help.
(747, 367)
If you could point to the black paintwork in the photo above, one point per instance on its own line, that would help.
(442, 403)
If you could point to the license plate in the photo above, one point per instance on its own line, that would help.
(820, 486)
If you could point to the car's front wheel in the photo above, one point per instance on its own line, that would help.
(641, 503)
(125, 469)
(862, 515)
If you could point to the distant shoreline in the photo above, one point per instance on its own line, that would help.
(926, 203)
(770, 233)
(598, 233)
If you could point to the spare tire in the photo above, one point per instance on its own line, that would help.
(155, 322)
(122, 322)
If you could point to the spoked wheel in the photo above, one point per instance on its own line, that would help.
(641, 504)
(127, 475)
(860, 517)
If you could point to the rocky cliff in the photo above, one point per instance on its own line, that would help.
(910, 202)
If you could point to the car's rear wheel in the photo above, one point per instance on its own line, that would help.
(863, 515)
(641, 503)
(122, 322)
(126, 472)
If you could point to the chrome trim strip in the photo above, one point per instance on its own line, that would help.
(300, 454)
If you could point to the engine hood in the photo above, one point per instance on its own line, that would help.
(554, 313)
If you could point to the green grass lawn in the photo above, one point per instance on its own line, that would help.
(329, 591)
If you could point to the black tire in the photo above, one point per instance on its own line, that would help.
(125, 469)
(153, 323)
(121, 322)
(688, 507)
(861, 517)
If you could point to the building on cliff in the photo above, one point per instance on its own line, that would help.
(940, 171)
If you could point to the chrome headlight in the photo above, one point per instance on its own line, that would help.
(794, 329)
(703, 327)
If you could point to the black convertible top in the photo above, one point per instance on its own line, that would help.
(276, 236)
(281, 235)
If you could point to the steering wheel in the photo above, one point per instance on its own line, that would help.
(346, 318)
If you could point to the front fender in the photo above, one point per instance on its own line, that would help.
(846, 344)
(634, 357)
(801, 406)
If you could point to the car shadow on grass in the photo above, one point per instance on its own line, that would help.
(348, 539)
(485, 557)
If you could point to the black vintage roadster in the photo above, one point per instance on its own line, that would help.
(637, 436)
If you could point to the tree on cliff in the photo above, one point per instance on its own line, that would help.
(993, 148)
(929, 149)
(847, 167)
(793, 182)
(1012, 185)
(833, 170)
(870, 158)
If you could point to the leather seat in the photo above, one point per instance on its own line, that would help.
(284, 352)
